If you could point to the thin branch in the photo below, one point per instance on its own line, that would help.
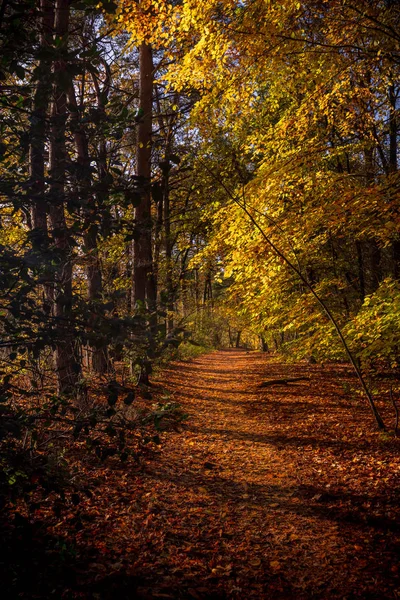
(281, 255)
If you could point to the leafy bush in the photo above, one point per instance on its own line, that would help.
(375, 331)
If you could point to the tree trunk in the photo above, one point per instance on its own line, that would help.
(164, 215)
(38, 129)
(143, 280)
(144, 288)
(41, 102)
(208, 294)
(393, 169)
(66, 356)
(264, 344)
(238, 336)
(99, 357)
(168, 257)
(374, 251)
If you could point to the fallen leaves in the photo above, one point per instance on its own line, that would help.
(255, 562)
(275, 565)
(285, 505)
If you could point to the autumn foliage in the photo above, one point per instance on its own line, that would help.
(180, 177)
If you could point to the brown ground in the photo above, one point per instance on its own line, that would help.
(279, 492)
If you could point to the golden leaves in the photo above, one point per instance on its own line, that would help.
(150, 21)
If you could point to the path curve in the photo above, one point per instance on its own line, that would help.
(283, 492)
(250, 490)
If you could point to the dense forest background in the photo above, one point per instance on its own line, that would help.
(165, 165)
(178, 176)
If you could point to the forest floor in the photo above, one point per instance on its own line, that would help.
(277, 492)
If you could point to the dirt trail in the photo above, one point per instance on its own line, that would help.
(282, 492)
(266, 493)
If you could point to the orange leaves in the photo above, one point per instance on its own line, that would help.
(275, 565)
(282, 495)
(255, 562)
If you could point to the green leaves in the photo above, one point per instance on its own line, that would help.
(139, 115)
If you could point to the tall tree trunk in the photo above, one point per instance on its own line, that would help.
(374, 251)
(144, 287)
(393, 169)
(166, 127)
(169, 285)
(392, 130)
(38, 129)
(197, 291)
(99, 361)
(66, 356)
(41, 102)
(143, 279)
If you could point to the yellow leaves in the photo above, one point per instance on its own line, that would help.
(13, 232)
(151, 21)
(296, 119)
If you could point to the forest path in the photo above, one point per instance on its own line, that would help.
(278, 492)
(266, 492)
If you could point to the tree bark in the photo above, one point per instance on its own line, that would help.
(143, 279)
(238, 336)
(393, 169)
(144, 291)
(99, 359)
(374, 251)
(37, 147)
(164, 213)
(38, 130)
(66, 356)
(264, 344)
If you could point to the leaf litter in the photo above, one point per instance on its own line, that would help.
(286, 492)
